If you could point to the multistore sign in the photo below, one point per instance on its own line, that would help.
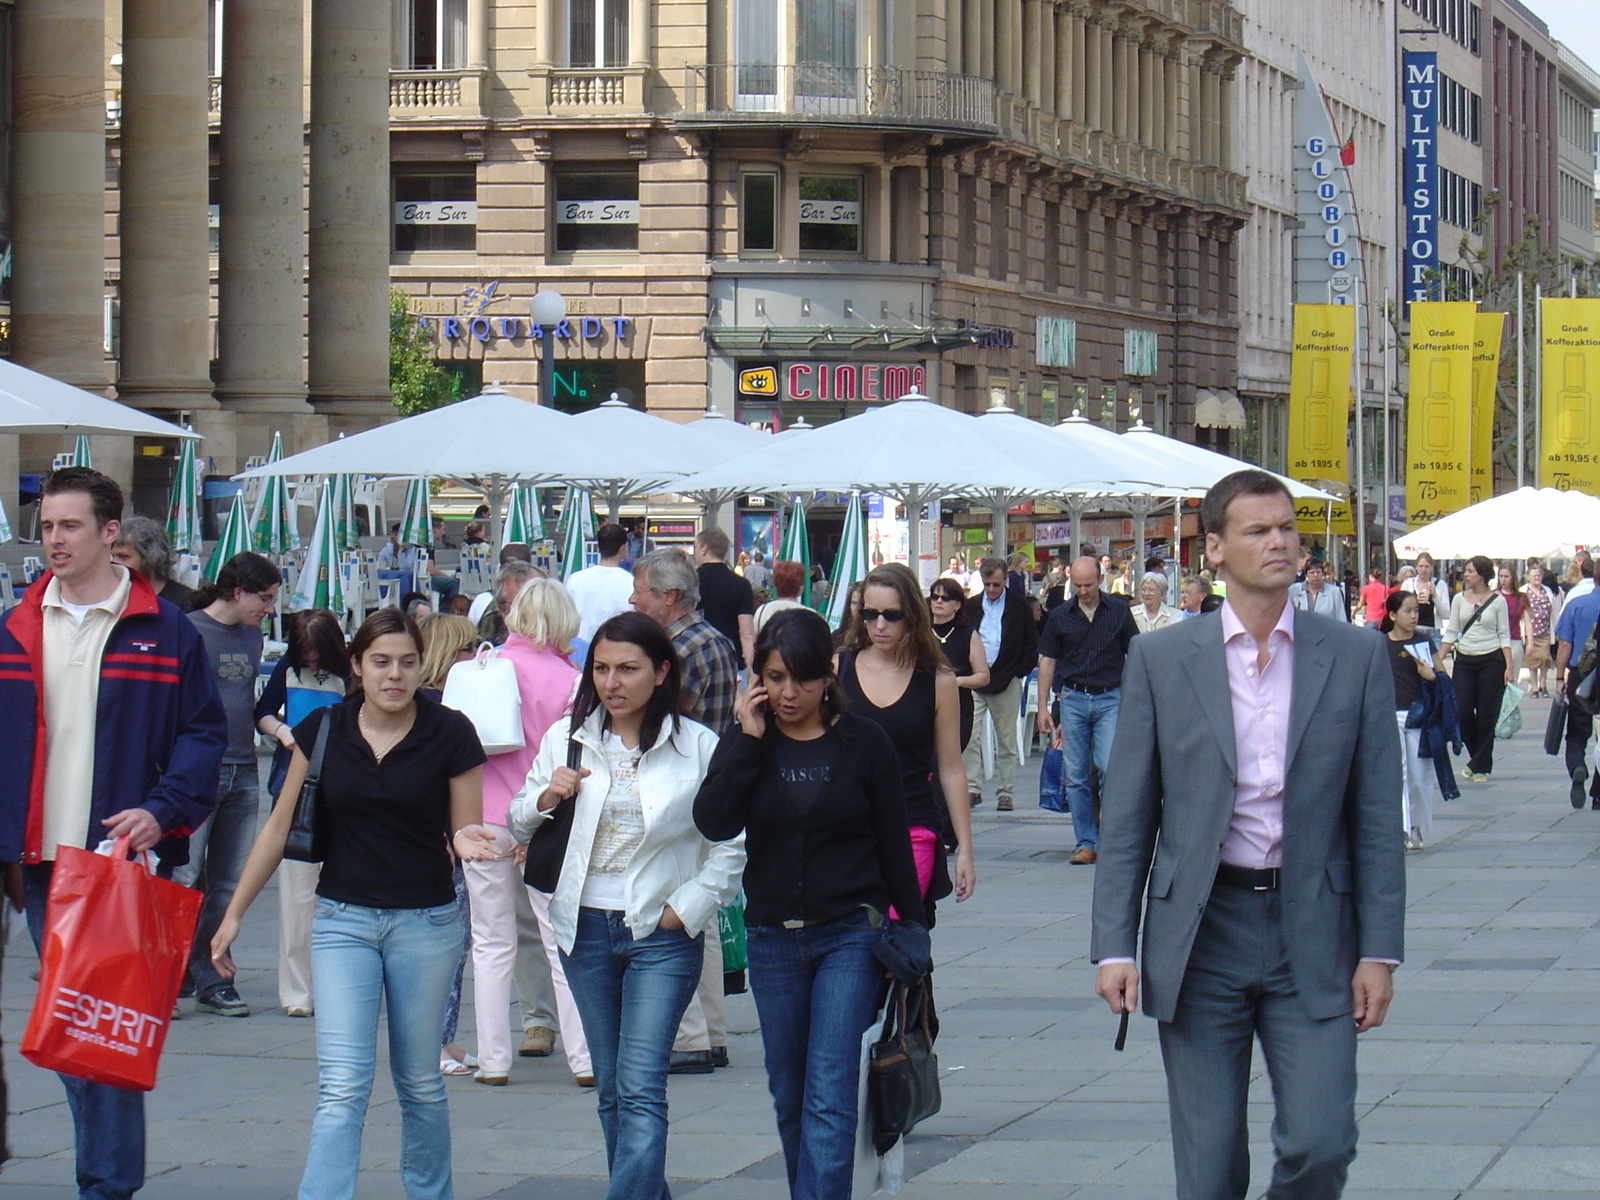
(849, 381)
(1419, 172)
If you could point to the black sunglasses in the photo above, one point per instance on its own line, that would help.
(892, 615)
(943, 596)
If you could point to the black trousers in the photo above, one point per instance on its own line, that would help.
(1580, 727)
(1480, 682)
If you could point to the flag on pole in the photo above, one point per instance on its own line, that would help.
(80, 451)
(317, 585)
(524, 522)
(850, 563)
(183, 514)
(235, 538)
(416, 527)
(272, 524)
(578, 517)
(796, 546)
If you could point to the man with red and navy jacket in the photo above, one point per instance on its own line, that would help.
(110, 724)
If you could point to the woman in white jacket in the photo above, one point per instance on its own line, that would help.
(635, 878)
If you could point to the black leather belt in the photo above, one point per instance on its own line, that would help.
(1088, 689)
(1254, 879)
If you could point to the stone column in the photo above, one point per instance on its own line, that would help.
(477, 35)
(348, 296)
(1078, 74)
(972, 54)
(58, 190)
(1047, 57)
(1093, 72)
(1147, 95)
(1107, 78)
(166, 272)
(261, 263)
(1030, 51)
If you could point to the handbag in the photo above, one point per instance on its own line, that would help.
(1555, 726)
(903, 1071)
(307, 840)
(116, 940)
(547, 848)
(485, 690)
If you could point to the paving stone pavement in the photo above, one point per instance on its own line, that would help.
(1483, 1082)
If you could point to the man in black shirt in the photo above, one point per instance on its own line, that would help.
(1082, 651)
(726, 600)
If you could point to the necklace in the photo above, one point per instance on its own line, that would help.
(380, 752)
(945, 636)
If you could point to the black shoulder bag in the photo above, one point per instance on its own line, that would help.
(547, 848)
(902, 1070)
(308, 833)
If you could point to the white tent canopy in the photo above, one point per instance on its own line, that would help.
(1526, 523)
(1208, 465)
(35, 403)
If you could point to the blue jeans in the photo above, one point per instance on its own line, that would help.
(221, 846)
(107, 1122)
(816, 990)
(1088, 723)
(631, 996)
(404, 959)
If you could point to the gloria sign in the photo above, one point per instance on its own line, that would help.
(1327, 244)
(1419, 172)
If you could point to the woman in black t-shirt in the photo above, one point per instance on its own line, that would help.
(402, 784)
(818, 791)
(1415, 663)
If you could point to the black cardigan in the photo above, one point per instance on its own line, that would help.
(852, 847)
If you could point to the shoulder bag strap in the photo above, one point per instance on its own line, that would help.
(1476, 613)
(318, 751)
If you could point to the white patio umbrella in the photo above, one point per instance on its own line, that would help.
(651, 452)
(795, 546)
(318, 584)
(850, 564)
(272, 524)
(577, 520)
(235, 537)
(80, 452)
(728, 438)
(1206, 465)
(183, 513)
(1526, 523)
(31, 402)
(346, 530)
(524, 521)
(416, 527)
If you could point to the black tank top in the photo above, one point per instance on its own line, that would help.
(957, 643)
(909, 724)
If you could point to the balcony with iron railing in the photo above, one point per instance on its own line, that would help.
(898, 97)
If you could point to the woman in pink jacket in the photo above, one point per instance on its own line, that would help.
(541, 625)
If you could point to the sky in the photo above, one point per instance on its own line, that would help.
(1575, 23)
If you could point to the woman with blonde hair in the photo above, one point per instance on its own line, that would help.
(895, 674)
(446, 640)
(540, 626)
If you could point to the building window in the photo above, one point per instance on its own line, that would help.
(597, 33)
(213, 210)
(432, 35)
(830, 214)
(435, 209)
(1460, 200)
(758, 212)
(1049, 401)
(1460, 110)
(596, 208)
(214, 36)
(1459, 20)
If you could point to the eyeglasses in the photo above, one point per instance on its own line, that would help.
(946, 597)
(892, 615)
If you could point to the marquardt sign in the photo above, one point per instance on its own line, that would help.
(1419, 172)
(850, 381)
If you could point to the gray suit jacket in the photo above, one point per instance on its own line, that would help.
(1169, 797)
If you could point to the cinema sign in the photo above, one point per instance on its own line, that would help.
(851, 381)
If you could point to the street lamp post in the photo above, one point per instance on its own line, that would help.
(547, 309)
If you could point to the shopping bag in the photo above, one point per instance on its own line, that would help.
(1510, 722)
(116, 940)
(1555, 726)
(1052, 781)
(874, 1172)
(730, 924)
(485, 689)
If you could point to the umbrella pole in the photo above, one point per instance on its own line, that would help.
(913, 505)
(494, 494)
(1001, 504)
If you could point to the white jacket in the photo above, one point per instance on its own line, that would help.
(673, 864)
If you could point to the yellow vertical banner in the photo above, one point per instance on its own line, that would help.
(1569, 457)
(1485, 375)
(1439, 406)
(1319, 408)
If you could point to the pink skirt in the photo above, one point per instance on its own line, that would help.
(924, 845)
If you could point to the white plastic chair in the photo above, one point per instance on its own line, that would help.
(8, 595)
(1028, 718)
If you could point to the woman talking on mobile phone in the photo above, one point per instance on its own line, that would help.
(818, 791)
(635, 876)
(401, 785)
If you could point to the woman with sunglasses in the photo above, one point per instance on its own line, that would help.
(963, 650)
(894, 674)
(818, 790)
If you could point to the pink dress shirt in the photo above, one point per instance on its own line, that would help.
(1260, 697)
(546, 680)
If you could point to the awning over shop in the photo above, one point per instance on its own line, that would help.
(826, 339)
(1218, 409)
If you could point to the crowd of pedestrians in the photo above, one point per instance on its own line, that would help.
(696, 740)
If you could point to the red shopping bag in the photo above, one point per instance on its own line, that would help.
(116, 940)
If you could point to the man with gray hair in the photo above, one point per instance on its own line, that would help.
(1010, 641)
(508, 581)
(142, 547)
(667, 589)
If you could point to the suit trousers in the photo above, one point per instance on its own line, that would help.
(1001, 708)
(1238, 986)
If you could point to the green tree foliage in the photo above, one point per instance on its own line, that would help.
(415, 378)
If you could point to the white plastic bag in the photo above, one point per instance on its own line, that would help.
(484, 688)
(873, 1173)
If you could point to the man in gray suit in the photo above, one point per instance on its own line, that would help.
(1255, 781)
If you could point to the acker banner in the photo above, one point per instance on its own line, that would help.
(1569, 458)
(1319, 408)
(1485, 375)
(1439, 402)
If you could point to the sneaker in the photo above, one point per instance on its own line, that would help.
(1580, 777)
(1002, 802)
(224, 1002)
(537, 1042)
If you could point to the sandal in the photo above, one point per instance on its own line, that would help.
(449, 1066)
